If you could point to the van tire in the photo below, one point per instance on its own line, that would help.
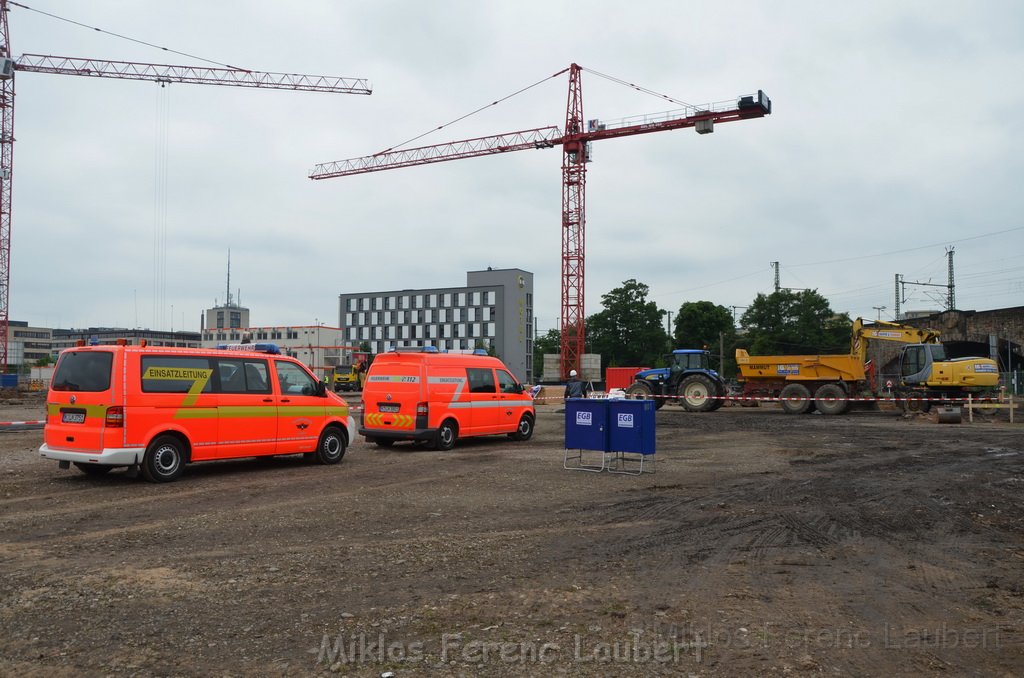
(164, 461)
(525, 429)
(331, 448)
(447, 434)
(94, 469)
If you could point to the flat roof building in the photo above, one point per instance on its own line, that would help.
(493, 311)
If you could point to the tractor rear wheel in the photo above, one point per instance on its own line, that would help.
(696, 392)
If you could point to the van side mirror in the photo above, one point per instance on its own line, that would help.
(321, 389)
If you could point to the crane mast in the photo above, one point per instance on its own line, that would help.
(124, 70)
(575, 142)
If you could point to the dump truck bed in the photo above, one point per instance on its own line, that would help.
(799, 367)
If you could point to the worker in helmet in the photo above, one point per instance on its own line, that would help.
(574, 388)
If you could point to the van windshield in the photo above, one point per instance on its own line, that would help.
(83, 371)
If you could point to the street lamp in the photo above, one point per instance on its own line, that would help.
(879, 309)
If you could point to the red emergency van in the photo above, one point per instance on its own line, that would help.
(427, 396)
(159, 409)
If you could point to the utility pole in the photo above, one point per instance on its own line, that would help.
(898, 288)
(951, 294)
(775, 265)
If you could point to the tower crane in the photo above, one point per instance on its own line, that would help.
(575, 142)
(125, 70)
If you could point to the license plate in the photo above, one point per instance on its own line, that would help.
(72, 417)
(389, 409)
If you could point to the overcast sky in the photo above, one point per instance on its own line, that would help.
(897, 133)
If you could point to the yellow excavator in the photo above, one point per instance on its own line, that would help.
(827, 382)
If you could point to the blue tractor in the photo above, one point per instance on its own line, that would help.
(688, 377)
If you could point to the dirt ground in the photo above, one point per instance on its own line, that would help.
(763, 544)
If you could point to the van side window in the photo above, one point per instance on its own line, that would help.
(481, 380)
(293, 379)
(175, 374)
(243, 376)
(507, 383)
(83, 371)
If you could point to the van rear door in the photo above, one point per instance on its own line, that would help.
(394, 386)
(81, 395)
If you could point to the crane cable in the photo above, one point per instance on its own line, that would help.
(125, 37)
(461, 118)
(638, 88)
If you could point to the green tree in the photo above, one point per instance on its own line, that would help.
(703, 324)
(791, 323)
(628, 332)
(546, 343)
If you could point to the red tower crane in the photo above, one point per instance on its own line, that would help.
(125, 70)
(575, 142)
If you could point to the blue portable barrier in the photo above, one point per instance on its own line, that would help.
(631, 439)
(586, 428)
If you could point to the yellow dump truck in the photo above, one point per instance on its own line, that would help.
(828, 382)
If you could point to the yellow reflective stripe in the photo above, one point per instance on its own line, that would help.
(397, 420)
(196, 413)
(199, 376)
(90, 410)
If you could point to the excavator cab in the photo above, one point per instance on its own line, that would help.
(916, 362)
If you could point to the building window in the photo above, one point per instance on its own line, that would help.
(374, 318)
(428, 316)
(446, 299)
(378, 303)
(490, 329)
(487, 313)
(432, 331)
(419, 331)
(432, 301)
(405, 331)
(476, 330)
(474, 299)
(460, 299)
(418, 301)
(471, 314)
(456, 314)
(490, 298)
(387, 317)
(405, 301)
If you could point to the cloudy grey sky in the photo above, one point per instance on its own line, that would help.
(897, 132)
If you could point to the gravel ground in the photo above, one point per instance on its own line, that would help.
(763, 544)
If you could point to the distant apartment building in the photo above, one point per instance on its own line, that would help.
(494, 310)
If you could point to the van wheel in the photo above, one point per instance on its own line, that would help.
(446, 435)
(94, 469)
(331, 447)
(164, 460)
(524, 430)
